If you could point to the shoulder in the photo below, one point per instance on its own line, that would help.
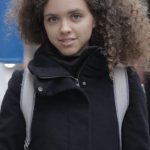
(136, 91)
(14, 87)
(12, 96)
(133, 77)
(16, 79)
(17, 75)
(132, 73)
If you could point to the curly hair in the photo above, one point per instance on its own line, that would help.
(122, 26)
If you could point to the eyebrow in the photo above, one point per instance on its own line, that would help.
(70, 12)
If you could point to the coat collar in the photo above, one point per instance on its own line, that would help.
(43, 65)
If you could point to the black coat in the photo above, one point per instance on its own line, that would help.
(73, 111)
(147, 91)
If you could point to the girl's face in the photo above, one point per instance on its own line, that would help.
(68, 24)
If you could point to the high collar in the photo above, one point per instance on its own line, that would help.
(45, 65)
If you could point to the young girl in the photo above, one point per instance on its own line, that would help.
(80, 42)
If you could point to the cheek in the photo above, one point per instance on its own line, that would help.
(87, 29)
(50, 32)
(87, 26)
(91, 24)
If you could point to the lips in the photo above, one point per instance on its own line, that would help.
(67, 41)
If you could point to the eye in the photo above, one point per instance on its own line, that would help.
(53, 19)
(76, 17)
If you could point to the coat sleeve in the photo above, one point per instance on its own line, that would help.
(12, 124)
(135, 129)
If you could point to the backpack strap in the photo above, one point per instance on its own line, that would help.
(121, 94)
(27, 102)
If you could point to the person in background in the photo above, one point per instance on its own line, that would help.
(80, 43)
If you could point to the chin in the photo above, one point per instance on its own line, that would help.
(70, 53)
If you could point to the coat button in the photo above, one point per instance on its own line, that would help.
(84, 83)
(40, 89)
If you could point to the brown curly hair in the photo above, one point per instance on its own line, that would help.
(122, 27)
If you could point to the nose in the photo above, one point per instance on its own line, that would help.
(65, 27)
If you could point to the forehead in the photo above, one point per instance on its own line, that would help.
(61, 6)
